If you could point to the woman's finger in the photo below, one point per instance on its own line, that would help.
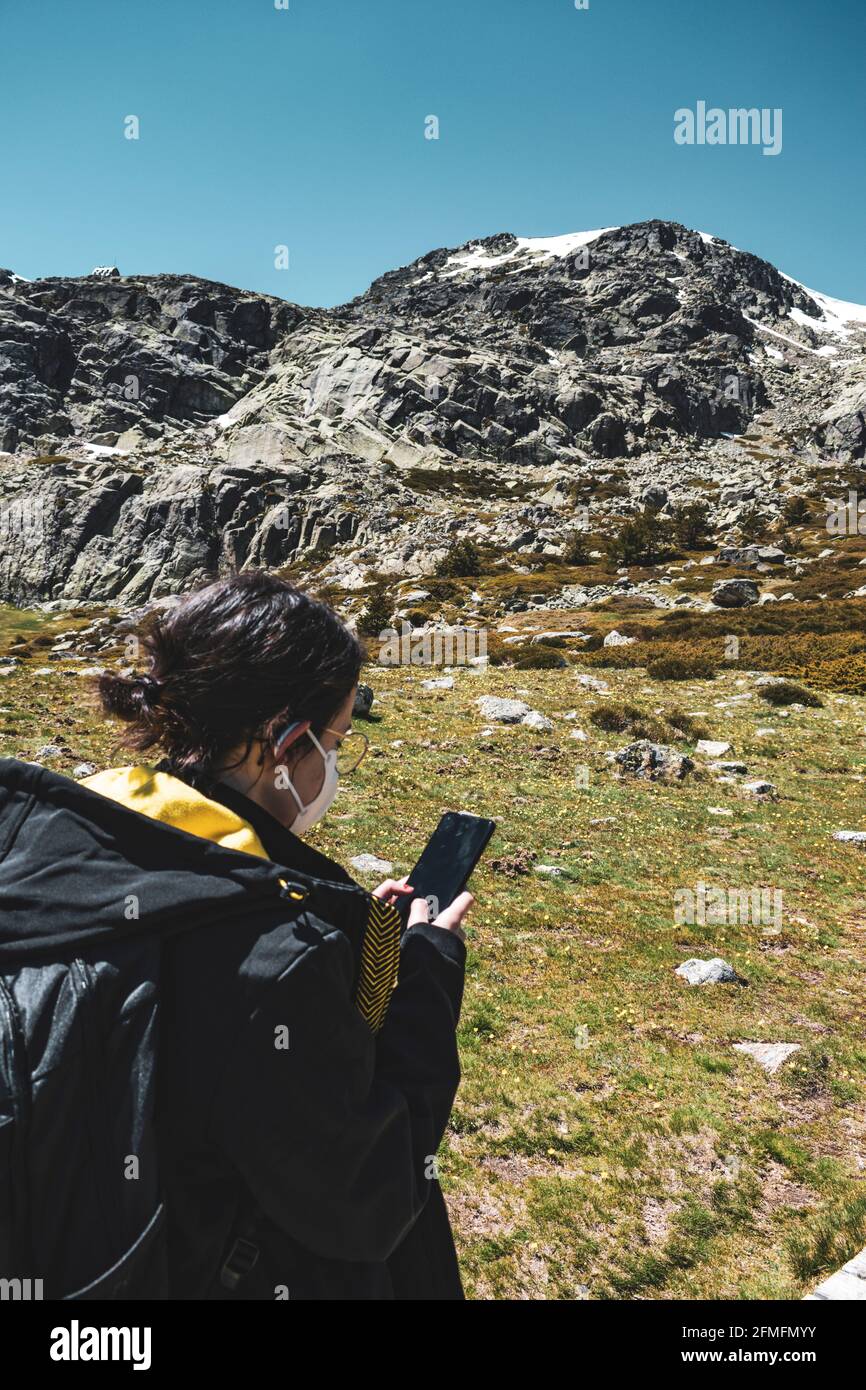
(453, 914)
(419, 912)
(391, 888)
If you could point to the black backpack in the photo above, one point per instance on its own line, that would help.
(79, 1185)
(81, 1210)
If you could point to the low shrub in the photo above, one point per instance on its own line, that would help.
(789, 693)
(376, 615)
(641, 540)
(537, 658)
(796, 510)
(461, 560)
(686, 724)
(681, 668)
(847, 674)
(577, 549)
(621, 718)
(691, 525)
(526, 658)
(441, 589)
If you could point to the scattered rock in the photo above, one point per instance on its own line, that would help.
(711, 747)
(363, 701)
(761, 788)
(850, 837)
(549, 870)
(369, 864)
(847, 1284)
(83, 770)
(770, 1056)
(655, 496)
(49, 751)
(439, 683)
(652, 760)
(708, 972)
(593, 683)
(534, 720)
(751, 555)
(502, 711)
(616, 639)
(735, 593)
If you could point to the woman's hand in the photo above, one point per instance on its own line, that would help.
(392, 890)
(451, 917)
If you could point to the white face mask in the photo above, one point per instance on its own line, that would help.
(314, 810)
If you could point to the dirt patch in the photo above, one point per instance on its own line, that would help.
(657, 1218)
(779, 1191)
(519, 1168)
(478, 1216)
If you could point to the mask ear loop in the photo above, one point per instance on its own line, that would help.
(282, 736)
(278, 750)
(280, 740)
(322, 750)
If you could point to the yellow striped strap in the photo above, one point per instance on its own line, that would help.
(380, 960)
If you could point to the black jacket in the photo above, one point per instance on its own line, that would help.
(322, 1150)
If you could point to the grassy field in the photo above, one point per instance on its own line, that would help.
(608, 1141)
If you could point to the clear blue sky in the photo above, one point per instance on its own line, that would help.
(305, 127)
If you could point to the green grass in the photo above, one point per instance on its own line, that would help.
(607, 1141)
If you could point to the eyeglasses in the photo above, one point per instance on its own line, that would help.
(352, 749)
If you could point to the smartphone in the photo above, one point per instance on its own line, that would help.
(448, 860)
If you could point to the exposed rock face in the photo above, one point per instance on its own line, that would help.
(157, 430)
(102, 353)
(104, 532)
(543, 351)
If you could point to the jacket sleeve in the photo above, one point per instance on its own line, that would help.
(333, 1133)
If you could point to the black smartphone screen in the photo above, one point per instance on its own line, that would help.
(448, 860)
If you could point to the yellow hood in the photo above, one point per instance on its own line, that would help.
(167, 798)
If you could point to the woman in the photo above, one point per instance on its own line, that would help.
(307, 1058)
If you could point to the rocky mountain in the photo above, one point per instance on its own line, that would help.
(158, 429)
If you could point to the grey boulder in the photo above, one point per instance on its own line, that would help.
(735, 593)
(707, 972)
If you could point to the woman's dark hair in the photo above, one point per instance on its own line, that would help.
(232, 663)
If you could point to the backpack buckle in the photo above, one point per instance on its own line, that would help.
(293, 891)
(240, 1262)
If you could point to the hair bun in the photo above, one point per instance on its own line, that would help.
(150, 688)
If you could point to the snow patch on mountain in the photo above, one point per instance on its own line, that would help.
(838, 313)
(547, 247)
(825, 351)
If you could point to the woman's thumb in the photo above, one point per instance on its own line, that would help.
(419, 912)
